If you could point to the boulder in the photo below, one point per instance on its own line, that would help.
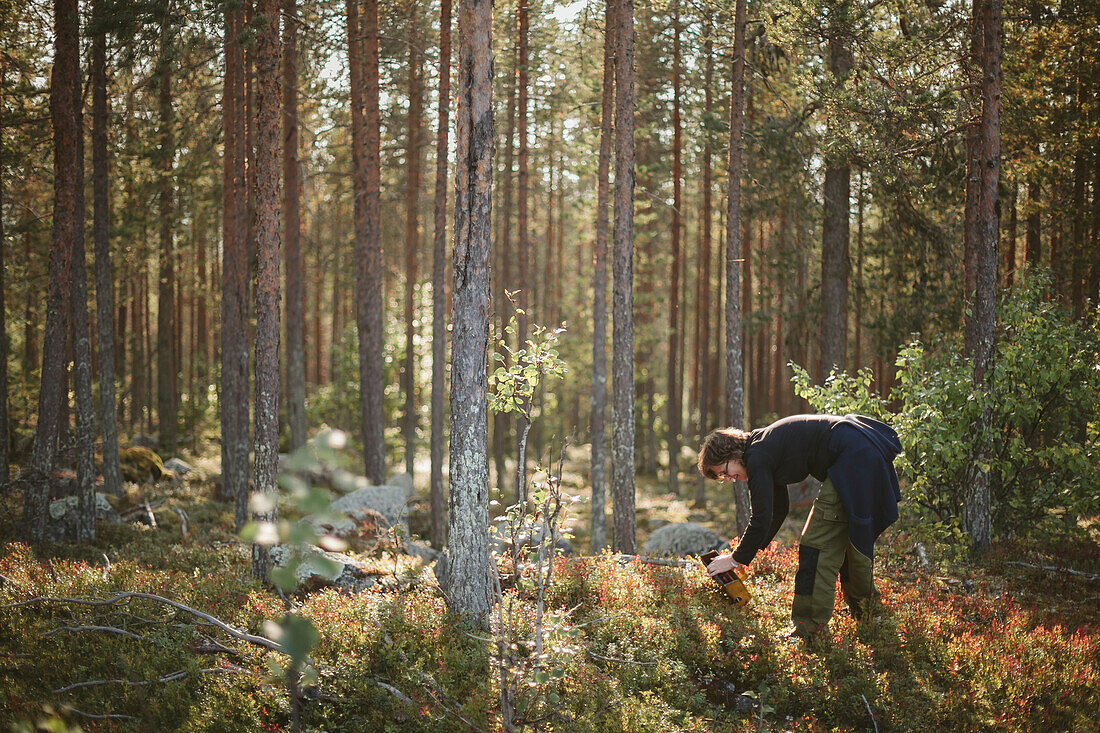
(61, 522)
(682, 539)
(178, 467)
(425, 552)
(389, 501)
(404, 480)
(318, 568)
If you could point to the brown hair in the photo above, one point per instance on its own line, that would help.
(724, 444)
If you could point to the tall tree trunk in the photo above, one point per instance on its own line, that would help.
(203, 339)
(1078, 271)
(292, 196)
(857, 347)
(597, 415)
(233, 396)
(524, 300)
(702, 298)
(980, 349)
(622, 357)
(4, 433)
(834, 228)
(675, 408)
(268, 195)
(1010, 239)
(469, 592)
(65, 118)
(439, 271)
(412, 234)
(84, 433)
(112, 472)
(166, 363)
(363, 45)
(1033, 253)
(735, 387)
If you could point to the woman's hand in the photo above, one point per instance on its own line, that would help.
(724, 563)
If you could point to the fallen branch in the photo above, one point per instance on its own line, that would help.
(108, 629)
(868, 706)
(1053, 569)
(260, 641)
(9, 581)
(396, 693)
(91, 716)
(624, 661)
(669, 562)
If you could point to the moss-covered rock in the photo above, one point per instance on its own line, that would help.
(140, 464)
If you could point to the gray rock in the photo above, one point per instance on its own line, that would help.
(178, 467)
(61, 522)
(317, 568)
(682, 539)
(389, 501)
(427, 553)
(404, 480)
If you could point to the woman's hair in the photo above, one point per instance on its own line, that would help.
(724, 444)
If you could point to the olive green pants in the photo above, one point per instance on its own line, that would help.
(825, 552)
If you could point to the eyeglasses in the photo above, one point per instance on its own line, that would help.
(724, 476)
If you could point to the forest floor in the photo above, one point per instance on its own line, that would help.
(956, 644)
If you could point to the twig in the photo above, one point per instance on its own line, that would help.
(868, 706)
(652, 560)
(624, 661)
(1053, 569)
(9, 581)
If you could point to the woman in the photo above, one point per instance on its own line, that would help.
(853, 456)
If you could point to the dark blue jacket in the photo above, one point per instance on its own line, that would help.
(854, 451)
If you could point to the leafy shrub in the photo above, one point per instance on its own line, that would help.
(1045, 403)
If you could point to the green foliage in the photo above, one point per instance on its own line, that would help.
(520, 371)
(1045, 402)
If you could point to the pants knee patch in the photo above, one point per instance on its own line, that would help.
(807, 570)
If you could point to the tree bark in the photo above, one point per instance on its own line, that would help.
(4, 432)
(981, 349)
(597, 415)
(439, 268)
(268, 194)
(834, 229)
(469, 592)
(363, 45)
(292, 196)
(1033, 252)
(233, 396)
(412, 234)
(65, 119)
(735, 386)
(112, 472)
(622, 359)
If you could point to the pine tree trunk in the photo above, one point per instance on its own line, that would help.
(597, 415)
(439, 271)
(702, 298)
(834, 232)
(1078, 272)
(84, 432)
(469, 560)
(233, 396)
(1010, 239)
(292, 196)
(412, 235)
(525, 285)
(735, 387)
(980, 350)
(166, 363)
(363, 46)
(1033, 252)
(675, 409)
(65, 119)
(268, 195)
(622, 360)
(112, 472)
(4, 432)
